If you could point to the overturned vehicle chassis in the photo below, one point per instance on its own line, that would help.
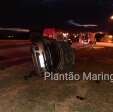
(52, 56)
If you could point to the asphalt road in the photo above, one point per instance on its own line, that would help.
(13, 52)
(38, 95)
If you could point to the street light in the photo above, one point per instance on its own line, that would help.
(111, 17)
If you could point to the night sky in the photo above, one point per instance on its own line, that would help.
(37, 12)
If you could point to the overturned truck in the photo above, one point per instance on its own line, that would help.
(51, 55)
